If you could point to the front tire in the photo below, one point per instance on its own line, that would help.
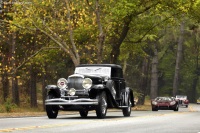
(127, 111)
(101, 108)
(51, 110)
(176, 109)
(154, 109)
(83, 113)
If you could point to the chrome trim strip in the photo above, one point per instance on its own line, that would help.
(76, 75)
(72, 103)
(81, 101)
(123, 106)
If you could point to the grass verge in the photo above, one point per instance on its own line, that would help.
(39, 111)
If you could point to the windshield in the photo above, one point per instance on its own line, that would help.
(163, 99)
(103, 71)
(179, 96)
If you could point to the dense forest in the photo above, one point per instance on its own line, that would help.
(156, 42)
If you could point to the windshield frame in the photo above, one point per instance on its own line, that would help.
(94, 70)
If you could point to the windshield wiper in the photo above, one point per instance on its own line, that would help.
(97, 69)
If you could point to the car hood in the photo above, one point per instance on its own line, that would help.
(163, 101)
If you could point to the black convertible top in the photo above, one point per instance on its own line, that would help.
(101, 65)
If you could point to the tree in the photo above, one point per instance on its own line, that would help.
(126, 12)
(154, 74)
(70, 32)
(178, 59)
(49, 18)
(143, 84)
(4, 62)
(15, 89)
(101, 36)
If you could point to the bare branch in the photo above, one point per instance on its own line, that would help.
(18, 26)
(75, 51)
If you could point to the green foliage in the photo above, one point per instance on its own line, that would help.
(137, 95)
(8, 106)
(150, 21)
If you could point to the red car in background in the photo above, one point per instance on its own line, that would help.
(164, 103)
(183, 101)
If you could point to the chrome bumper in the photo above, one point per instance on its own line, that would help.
(80, 101)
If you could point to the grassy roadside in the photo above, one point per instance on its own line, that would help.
(28, 112)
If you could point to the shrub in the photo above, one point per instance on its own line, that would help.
(9, 106)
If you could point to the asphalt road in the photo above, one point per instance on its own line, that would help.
(186, 120)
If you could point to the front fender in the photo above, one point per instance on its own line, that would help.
(49, 87)
(99, 86)
(111, 87)
(53, 89)
(130, 93)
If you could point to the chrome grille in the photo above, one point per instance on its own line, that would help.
(75, 82)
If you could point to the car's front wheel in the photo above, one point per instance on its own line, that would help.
(51, 110)
(176, 109)
(101, 108)
(154, 109)
(83, 113)
(127, 111)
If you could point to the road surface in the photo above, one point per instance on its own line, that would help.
(186, 120)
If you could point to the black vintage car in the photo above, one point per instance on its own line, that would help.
(91, 87)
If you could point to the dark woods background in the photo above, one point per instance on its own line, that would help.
(156, 43)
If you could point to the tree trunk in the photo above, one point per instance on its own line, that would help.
(117, 42)
(194, 85)
(5, 83)
(73, 52)
(33, 90)
(101, 37)
(197, 69)
(144, 81)
(33, 76)
(44, 84)
(4, 78)
(15, 91)
(178, 60)
(154, 74)
(125, 65)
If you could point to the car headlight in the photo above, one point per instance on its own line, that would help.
(87, 83)
(172, 103)
(62, 83)
(71, 92)
(154, 103)
(106, 79)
